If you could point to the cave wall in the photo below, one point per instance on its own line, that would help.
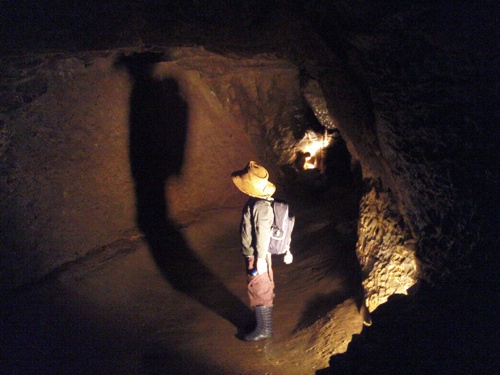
(404, 94)
(386, 247)
(67, 187)
(426, 83)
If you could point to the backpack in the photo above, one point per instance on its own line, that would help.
(281, 230)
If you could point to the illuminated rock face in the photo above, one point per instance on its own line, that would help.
(387, 257)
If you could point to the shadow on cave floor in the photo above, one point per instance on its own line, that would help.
(123, 312)
(158, 131)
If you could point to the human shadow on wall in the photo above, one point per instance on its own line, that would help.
(158, 131)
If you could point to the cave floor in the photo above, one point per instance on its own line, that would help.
(115, 311)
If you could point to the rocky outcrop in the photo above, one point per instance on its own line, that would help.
(385, 250)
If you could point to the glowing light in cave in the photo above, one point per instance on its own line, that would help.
(312, 148)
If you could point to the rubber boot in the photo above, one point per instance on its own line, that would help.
(264, 327)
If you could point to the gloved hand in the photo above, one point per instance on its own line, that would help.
(261, 266)
(288, 257)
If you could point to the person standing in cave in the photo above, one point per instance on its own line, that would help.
(257, 219)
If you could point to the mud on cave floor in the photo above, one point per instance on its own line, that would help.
(114, 312)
